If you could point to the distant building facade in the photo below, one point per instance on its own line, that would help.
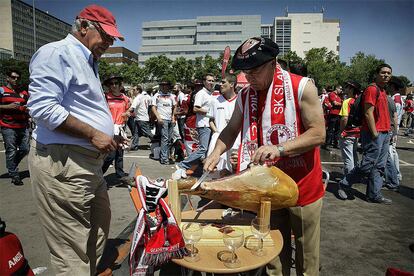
(300, 32)
(17, 32)
(267, 31)
(119, 55)
(193, 38)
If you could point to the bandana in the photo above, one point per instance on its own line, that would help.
(279, 122)
(156, 239)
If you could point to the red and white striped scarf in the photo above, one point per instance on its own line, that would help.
(279, 123)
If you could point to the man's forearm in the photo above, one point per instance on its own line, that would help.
(199, 110)
(75, 127)
(369, 116)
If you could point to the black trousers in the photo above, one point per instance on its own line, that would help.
(332, 134)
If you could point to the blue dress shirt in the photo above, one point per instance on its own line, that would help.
(64, 80)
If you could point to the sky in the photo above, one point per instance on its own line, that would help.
(381, 28)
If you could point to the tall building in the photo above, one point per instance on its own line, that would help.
(192, 38)
(267, 31)
(17, 31)
(119, 55)
(301, 32)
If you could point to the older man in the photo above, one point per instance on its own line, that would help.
(281, 124)
(74, 134)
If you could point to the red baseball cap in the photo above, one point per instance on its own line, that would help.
(104, 17)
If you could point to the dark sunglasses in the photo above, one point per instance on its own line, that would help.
(14, 77)
(103, 34)
(113, 83)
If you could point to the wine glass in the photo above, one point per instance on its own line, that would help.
(192, 234)
(260, 229)
(233, 238)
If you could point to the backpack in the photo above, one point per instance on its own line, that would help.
(356, 114)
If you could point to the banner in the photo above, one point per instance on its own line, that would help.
(226, 57)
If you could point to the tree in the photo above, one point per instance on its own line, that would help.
(182, 70)
(324, 67)
(362, 68)
(405, 80)
(105, 70)
(158, 67)
(292, 58)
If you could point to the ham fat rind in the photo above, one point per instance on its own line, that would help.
(245, 190)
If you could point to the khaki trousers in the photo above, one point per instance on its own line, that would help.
(73, 205)
(304, 222)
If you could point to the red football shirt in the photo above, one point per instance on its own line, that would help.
(335, 108)
(381, 112)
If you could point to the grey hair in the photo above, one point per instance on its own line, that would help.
(77, 25)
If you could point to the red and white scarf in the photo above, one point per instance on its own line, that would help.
(279, 123)
(156, 239)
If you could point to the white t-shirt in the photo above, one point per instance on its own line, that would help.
(221, 110)
(140, 105)
(203, 99)
(180, 98)
(164, 102)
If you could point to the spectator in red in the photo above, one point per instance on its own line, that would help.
(332, 133)
(409, 108)
(119, 105)
(375, 139)
(14, 122)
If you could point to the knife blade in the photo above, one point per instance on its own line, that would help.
(200, 180)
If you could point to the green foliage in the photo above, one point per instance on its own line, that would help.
(21, 66)
(362, 68)
(324, 67)
(182, 70)
(405, 80)
(292, 58)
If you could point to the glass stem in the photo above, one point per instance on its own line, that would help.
(261, 244)
(192, 250)
(232, 255)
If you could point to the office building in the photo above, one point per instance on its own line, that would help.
(267, 31)
(193, 38)
(300, 32)
(17, 32)
(119, 55)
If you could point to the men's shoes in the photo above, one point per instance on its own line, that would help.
(170, 162)
(179, 173)
(342, 192)
(381, 200)
(392, 188)
(16, 181)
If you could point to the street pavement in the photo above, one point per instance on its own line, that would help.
(357, 238)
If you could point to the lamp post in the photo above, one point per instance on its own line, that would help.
(34, 26)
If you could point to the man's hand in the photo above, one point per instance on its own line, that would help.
(160, 121)
(121, 141)
(265, 153)
(211, 161)
(14, 105)
(374, 135)
(234, 159)
(103, 142)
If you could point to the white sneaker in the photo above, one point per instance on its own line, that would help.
(179, 173)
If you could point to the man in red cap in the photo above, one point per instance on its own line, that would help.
(281, 124)
(74, 133)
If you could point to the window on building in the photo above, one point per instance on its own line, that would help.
(306, 32)
(306, 42)
(306, 23)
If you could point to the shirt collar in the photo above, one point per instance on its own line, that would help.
(85, 51)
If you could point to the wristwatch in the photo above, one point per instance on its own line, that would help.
(281, 150)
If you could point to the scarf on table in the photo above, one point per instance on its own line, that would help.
(156, 239)
(279, 122)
